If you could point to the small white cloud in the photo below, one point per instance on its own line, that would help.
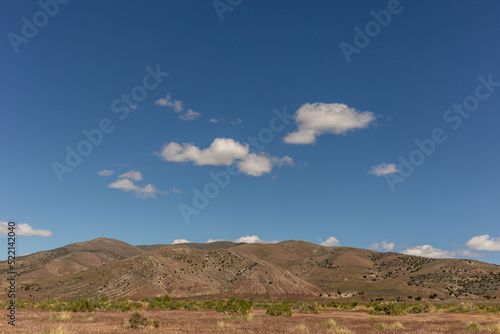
(132, 174)
(176, 191)
(384, 245)
(105, 172)
(258, 164)
(222, 151)
(428, 251)
(251, 239)
(213, 120)
(23, 229)
(330, 242)
(214, 240)
(190, 115)
(383, 169)
(237, 121)
(484, 242)
(128, 185)
(436, 253)
(314, 119)
(180, 241)
(176, 105)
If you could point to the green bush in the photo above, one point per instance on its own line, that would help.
(280, 309)
(308, 307)
(421, 308)
(388, 308)
(235, 306)
(137, 320)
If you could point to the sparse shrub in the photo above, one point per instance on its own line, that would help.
(57, 330)
(300, 328)
(261, 304)
(342, 330)
(465, 307)
(392, 326)
(491, 328)
(308, 307)
(348, 306)
(330, 323)
(63, 316)
(280, 309)
(388, 308)
(473, 326)
(235, 306)
(139, 321)
(227, 325)
(418, 298)
(421, 308)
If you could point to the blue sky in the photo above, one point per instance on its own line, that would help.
(374, 124)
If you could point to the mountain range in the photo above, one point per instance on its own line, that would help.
(111, 268)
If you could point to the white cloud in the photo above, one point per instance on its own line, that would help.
(484, 242)
(105, 172)
(251, 239)
(176, 105)
(190, 115)
(223, 151)
(429, 251)
(128, 185)
(213, 120)
(255, 164)
(436, 253)
(237, 121)
(383, 169)
(330, 242)
(132, 174)
(314, 119)
(180, 241)
(23, 229)
(384, 245)
(214, 240)
(176, 191)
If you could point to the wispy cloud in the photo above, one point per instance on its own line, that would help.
(214, 120)
(24, 229)
(384, 245)
(176, 191)
(132, 174)
(436, 253)
(383, 169)
(178, 107)
(105, 172)
(223, 151)
(190, 115)
(180, 241)
(484, 242)
(315, 119)
(126, 183)
(330, 242)
(251, 239)
(236, 121)
(214, 240)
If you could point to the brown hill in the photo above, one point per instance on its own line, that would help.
(72, 258)
(179, 271)
(350, 270)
